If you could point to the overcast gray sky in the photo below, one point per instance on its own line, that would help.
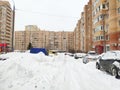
(53, 15)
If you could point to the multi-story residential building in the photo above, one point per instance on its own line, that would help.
(106, 25)
(74, 39)
(113, 24)
(5, 23)
(99, 26)
(83, 30)
(77, 37)
(20, 40)
(43, 39)
(70, 42)
(32, 36)
(88, 26)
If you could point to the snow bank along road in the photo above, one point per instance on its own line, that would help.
(25, 71)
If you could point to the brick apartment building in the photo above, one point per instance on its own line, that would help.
(99, 26)
(5, 24)
(50, 40)
(106, 25)
(98, 29)
(83, 30)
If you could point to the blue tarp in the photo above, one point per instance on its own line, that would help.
(37, 50)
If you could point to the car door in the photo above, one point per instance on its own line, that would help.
(111, 60)
(107, 60)
(103, 63)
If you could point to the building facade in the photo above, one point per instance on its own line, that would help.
(106, 25)
(77, 37)
(83, 30)
(5, 23)
(88, 27)
(98, 29)
(50, 40)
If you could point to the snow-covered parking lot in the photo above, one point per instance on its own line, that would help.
(25, 71)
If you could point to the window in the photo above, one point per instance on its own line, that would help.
(119, 23)
(119, 10)
(107, 27)
(107, 47)
(103, 6)
(107, 37)
(102, 37)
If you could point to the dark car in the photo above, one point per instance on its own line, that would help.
(110, 62)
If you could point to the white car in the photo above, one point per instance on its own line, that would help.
(79, 55)
(90, 56)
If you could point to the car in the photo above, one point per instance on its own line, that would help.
(110, 62)
(90, 56)
(79, 55)
(70, 54)
(52, 53)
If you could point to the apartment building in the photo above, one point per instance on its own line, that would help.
(60, 40)
(83, 30)
(77, 37)
(5, 23)
(50, 40)
(88, 26)
(99, 27)
(113, 24)
(70, 42)
(106, 25)
(20, 40)
(32, 35)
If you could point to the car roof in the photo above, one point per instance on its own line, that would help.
(117, 51)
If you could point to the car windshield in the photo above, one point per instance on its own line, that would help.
(92, 53)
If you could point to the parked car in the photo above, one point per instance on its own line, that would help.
(110, 62)
(90, 56)
(79, 55)
(52, 53)
(70, 54)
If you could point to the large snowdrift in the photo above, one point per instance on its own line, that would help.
(25, 71)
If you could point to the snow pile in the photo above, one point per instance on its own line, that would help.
(25, 71)
(20, 68)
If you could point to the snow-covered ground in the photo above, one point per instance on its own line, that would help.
(25, 71)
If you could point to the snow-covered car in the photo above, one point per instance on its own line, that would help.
(70, 54)
(79, 55)
(90, 56)
(110, 62)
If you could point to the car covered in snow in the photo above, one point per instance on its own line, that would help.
(110, 62)
(79, 55)
(90, 56)
(69, 54)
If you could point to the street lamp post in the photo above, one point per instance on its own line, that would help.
(13, 25)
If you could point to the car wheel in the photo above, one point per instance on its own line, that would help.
(114, 72)
(97, 66)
